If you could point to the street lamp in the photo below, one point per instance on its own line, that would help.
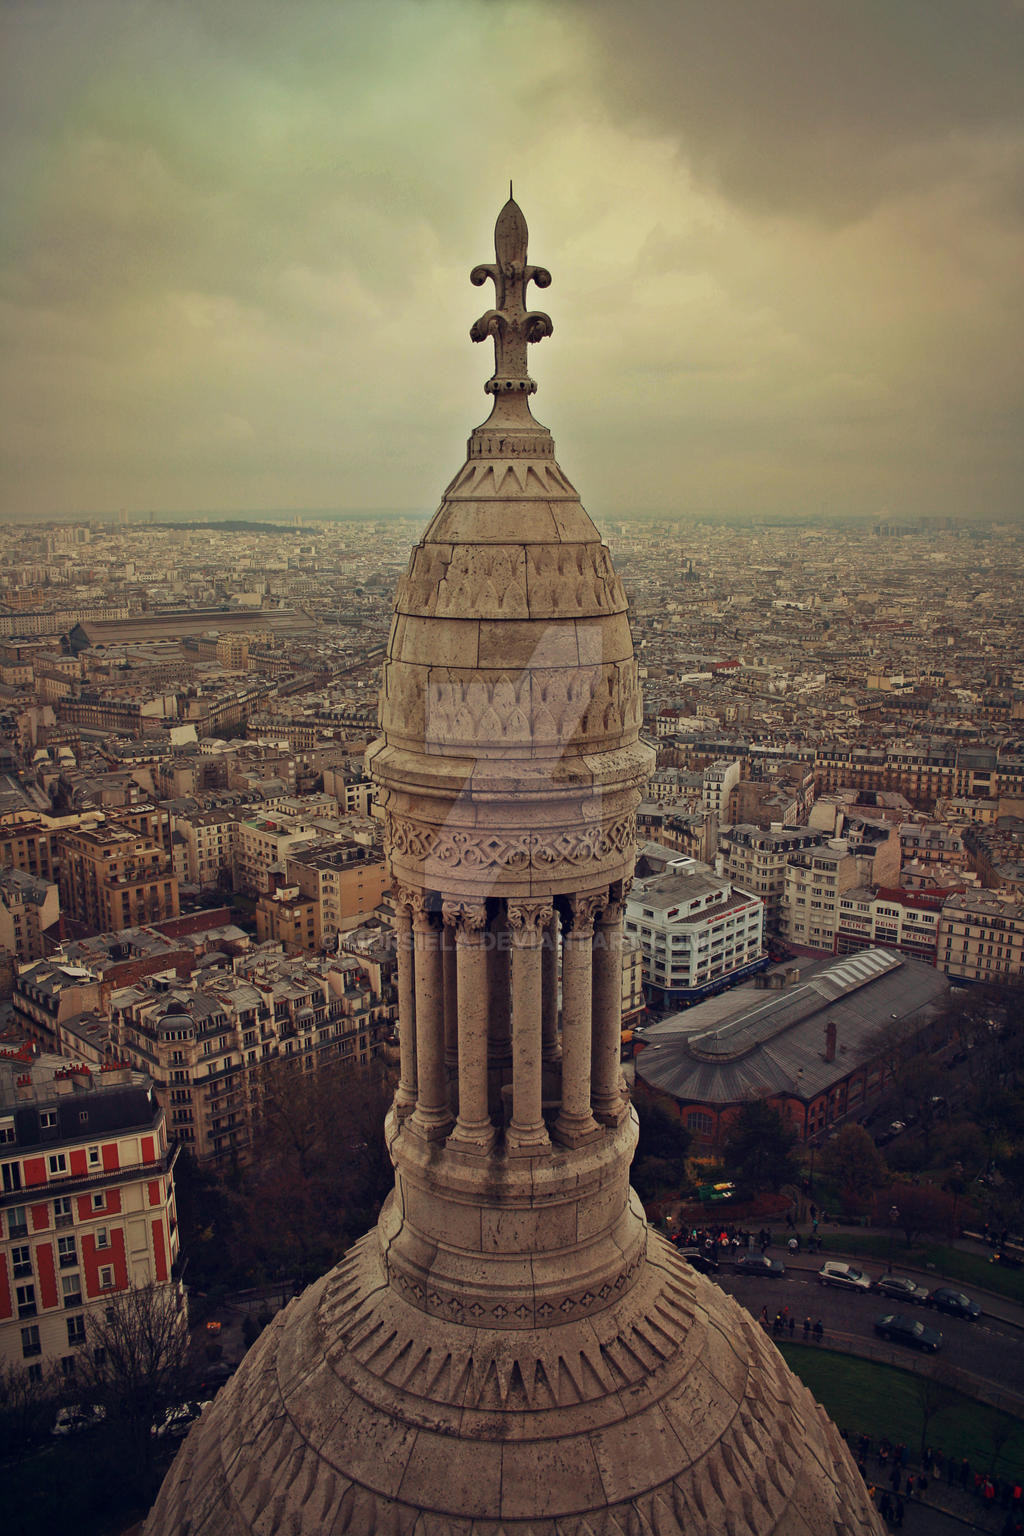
(894, 1217)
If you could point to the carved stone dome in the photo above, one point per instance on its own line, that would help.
(513, 1351)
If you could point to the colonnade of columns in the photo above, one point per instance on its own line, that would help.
(479, 1016)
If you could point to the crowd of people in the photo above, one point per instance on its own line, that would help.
(891, 1481)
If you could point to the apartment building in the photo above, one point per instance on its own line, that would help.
(344, 879)
(698, 934)
(756, 861)
(87, 1207)
(209, 841)
(262, 845)
(206, 1042)
(981, 936)
(720, 779)
(113, 878)
(890, 918)
(28, 906)
(815, 880)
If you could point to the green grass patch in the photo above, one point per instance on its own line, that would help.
(866, 1398)
(967, 1269)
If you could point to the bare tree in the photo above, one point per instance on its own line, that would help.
(938, 1391)
(27, 1407)
(136, 1361)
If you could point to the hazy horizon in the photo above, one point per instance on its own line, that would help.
(786, 243)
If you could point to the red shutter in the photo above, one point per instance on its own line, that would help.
(110, 1157)
(6, 1307)
(154, 1191)
(40, 1217)
(47, 1274)
(78, 1164)
(35, 1170)
(159, 1250)
(148, 1150)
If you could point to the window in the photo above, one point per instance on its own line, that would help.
(7, 1131)
(83, 1117)
(62, 1216)
(34, 1372)
(76, 1330)
(67, 1365)
(17, 1221)
(701, 1122)
(93, 1157)
(26, 1300)
(47, 1119)
(106, 1277)
(21, 1259)
(99, 1201)
(30, 1344)
(71, 1288)
(57, 1162)
(102, 1237)
(67, 1252)
(11, 1176)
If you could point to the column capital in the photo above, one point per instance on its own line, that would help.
(582, 912)
(528, 919)
(468, 918)
(405, 897)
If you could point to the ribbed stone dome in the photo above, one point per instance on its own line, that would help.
(513, 1351)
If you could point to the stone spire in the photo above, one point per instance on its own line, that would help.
(513, 1351)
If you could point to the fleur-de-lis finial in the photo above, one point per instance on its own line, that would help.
(511, 324)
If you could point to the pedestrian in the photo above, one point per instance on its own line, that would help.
(792, 1326)
(814, 1212)
(819, 1331)
(965, 1472)
(910, 1485)
(897, 1512)
(792, 1245)
(807, 1329)
(885, 1506)
(894, 1479)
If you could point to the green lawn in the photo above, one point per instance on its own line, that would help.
(883, 1401)
(967, 1269)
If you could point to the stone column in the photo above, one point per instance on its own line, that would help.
(606, 1043)
(473, 1130)
(405, 1093)
(575, 1122)
(450, 1005)
(432, 1116)
(526, 1131)
(549, 990)
(499, 1011)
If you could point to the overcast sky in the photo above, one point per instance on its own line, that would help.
(785, 238)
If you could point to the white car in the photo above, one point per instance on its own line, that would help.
(843, 1275)
(78, 1416)
(177, 1420)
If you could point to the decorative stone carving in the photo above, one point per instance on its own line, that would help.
(482, 851)
(528, 919)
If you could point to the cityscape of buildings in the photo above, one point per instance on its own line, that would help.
(193, 881)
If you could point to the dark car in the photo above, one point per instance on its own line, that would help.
(955, 1303)
(700, 1258)
(907, 1330)
(901, 1289)
(760, 1264)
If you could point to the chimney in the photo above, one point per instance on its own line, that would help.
(830, 1040)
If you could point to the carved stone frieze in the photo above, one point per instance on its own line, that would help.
(448, 707)
(477, 852)
(466, 917)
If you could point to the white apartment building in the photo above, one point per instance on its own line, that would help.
(889, 919)
(698, 933)
(756, 860)
(720, 779)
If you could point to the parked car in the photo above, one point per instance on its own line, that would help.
(902, 1290)
(890, 1133)
(908, 1330)
(177, 1420)
(760, 1264)
(78, 1416)
(700, 1258)
(955, 1303)
(846, 1276)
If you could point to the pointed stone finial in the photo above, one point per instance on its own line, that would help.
(511, 324)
